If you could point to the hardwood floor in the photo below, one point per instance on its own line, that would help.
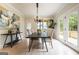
(21, 48)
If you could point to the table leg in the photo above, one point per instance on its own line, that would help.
(16, 36)
(11, 41)
(30, 45)
(5, 41)
(45, 44)
(20, 36)
(42, 43)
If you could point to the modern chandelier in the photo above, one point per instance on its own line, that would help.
(37, 5)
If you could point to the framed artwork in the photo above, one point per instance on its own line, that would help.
(7, 18)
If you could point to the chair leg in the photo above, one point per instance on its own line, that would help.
(51, 44)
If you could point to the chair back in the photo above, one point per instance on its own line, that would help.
(50, 32)
(29, 32)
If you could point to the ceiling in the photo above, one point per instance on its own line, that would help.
(44, 9)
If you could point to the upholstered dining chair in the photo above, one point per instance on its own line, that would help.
(29, 32)
(50, 33)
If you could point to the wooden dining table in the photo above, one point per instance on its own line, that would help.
(36, 36)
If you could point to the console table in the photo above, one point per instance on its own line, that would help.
(11, 38)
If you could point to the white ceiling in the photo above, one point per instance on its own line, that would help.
(44, 10)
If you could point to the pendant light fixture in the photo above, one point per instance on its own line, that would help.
(37, 5)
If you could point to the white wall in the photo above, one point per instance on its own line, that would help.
(32, 22)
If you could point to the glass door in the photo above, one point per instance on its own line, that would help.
(61, 29)
(73, 28)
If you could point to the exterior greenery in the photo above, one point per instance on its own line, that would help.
(73, 23)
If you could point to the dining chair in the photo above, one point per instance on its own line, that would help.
(29, 32)
(50, 33)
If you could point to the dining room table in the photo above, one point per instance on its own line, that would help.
(36, 36)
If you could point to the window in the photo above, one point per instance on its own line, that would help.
(73, 23)
(42, 25)
(61, 29)
(39, 25)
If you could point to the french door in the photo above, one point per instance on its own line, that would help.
(61, 29)
(68, 29)
(73, 28)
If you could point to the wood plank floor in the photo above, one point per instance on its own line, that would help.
(21, 48)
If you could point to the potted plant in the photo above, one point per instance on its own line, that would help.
(51, 25)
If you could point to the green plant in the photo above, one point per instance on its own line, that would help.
(73, 22)
(51, 23)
